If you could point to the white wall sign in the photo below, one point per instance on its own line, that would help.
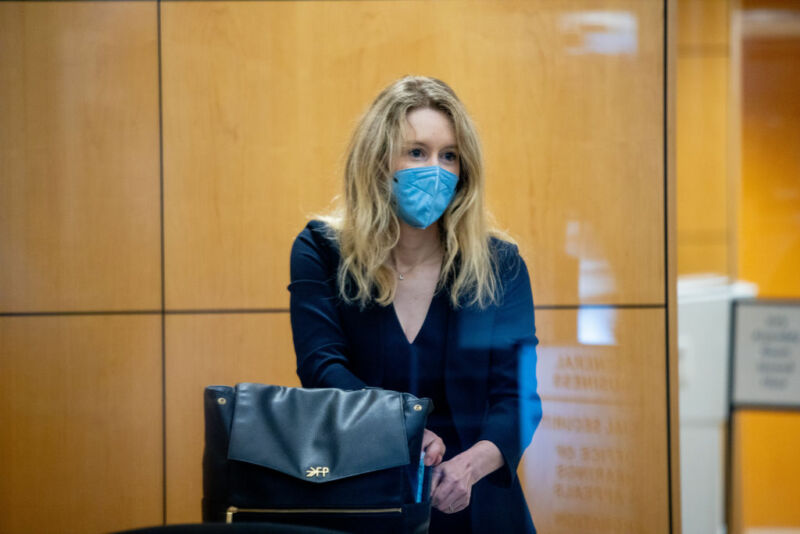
(767, 354)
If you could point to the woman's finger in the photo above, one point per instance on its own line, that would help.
(436, 478)
(434, 448)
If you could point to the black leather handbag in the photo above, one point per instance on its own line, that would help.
(345, 460)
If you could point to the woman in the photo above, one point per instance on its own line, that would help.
(404, 288)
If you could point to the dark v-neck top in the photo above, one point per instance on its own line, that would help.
(418, 367)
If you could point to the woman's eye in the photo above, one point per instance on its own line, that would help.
(450, 156)
(415, 153)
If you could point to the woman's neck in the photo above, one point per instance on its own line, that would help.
(417, 246)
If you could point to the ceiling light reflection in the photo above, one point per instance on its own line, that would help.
(600, 32)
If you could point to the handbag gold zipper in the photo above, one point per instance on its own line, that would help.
(234, 510)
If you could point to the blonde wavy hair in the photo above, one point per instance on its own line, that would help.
(366, 226)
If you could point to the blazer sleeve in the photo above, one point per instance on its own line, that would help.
(319, 341)
(514, 327)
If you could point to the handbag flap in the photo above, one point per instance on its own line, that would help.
(319, 435)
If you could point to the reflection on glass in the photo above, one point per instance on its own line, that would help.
(592, 468)
(600, 32)
(530, 411)
(595, 275)
(597, 327)
(598, 462)
(596, 279)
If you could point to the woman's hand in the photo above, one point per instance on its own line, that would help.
(451, 485)
(433, 447)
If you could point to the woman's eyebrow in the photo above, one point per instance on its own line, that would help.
(425, 145)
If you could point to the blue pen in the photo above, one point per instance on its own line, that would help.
(420, 476)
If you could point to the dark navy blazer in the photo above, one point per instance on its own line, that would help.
(336, 346)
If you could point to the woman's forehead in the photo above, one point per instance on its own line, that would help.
(428, 126)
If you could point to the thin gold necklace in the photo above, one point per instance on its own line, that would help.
(402, 276)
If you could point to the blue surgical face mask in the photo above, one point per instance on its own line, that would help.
(422, 194)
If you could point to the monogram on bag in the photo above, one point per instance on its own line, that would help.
(345, 460)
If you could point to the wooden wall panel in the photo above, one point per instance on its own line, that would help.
(766, 471)
(704, 188)
(598, 462)
(576, 129)
(79, 183)
(702, 147)
(769, 239)
(706, 253)
(213, 349)
(261, 97)
(703, 24)
(80, 449)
